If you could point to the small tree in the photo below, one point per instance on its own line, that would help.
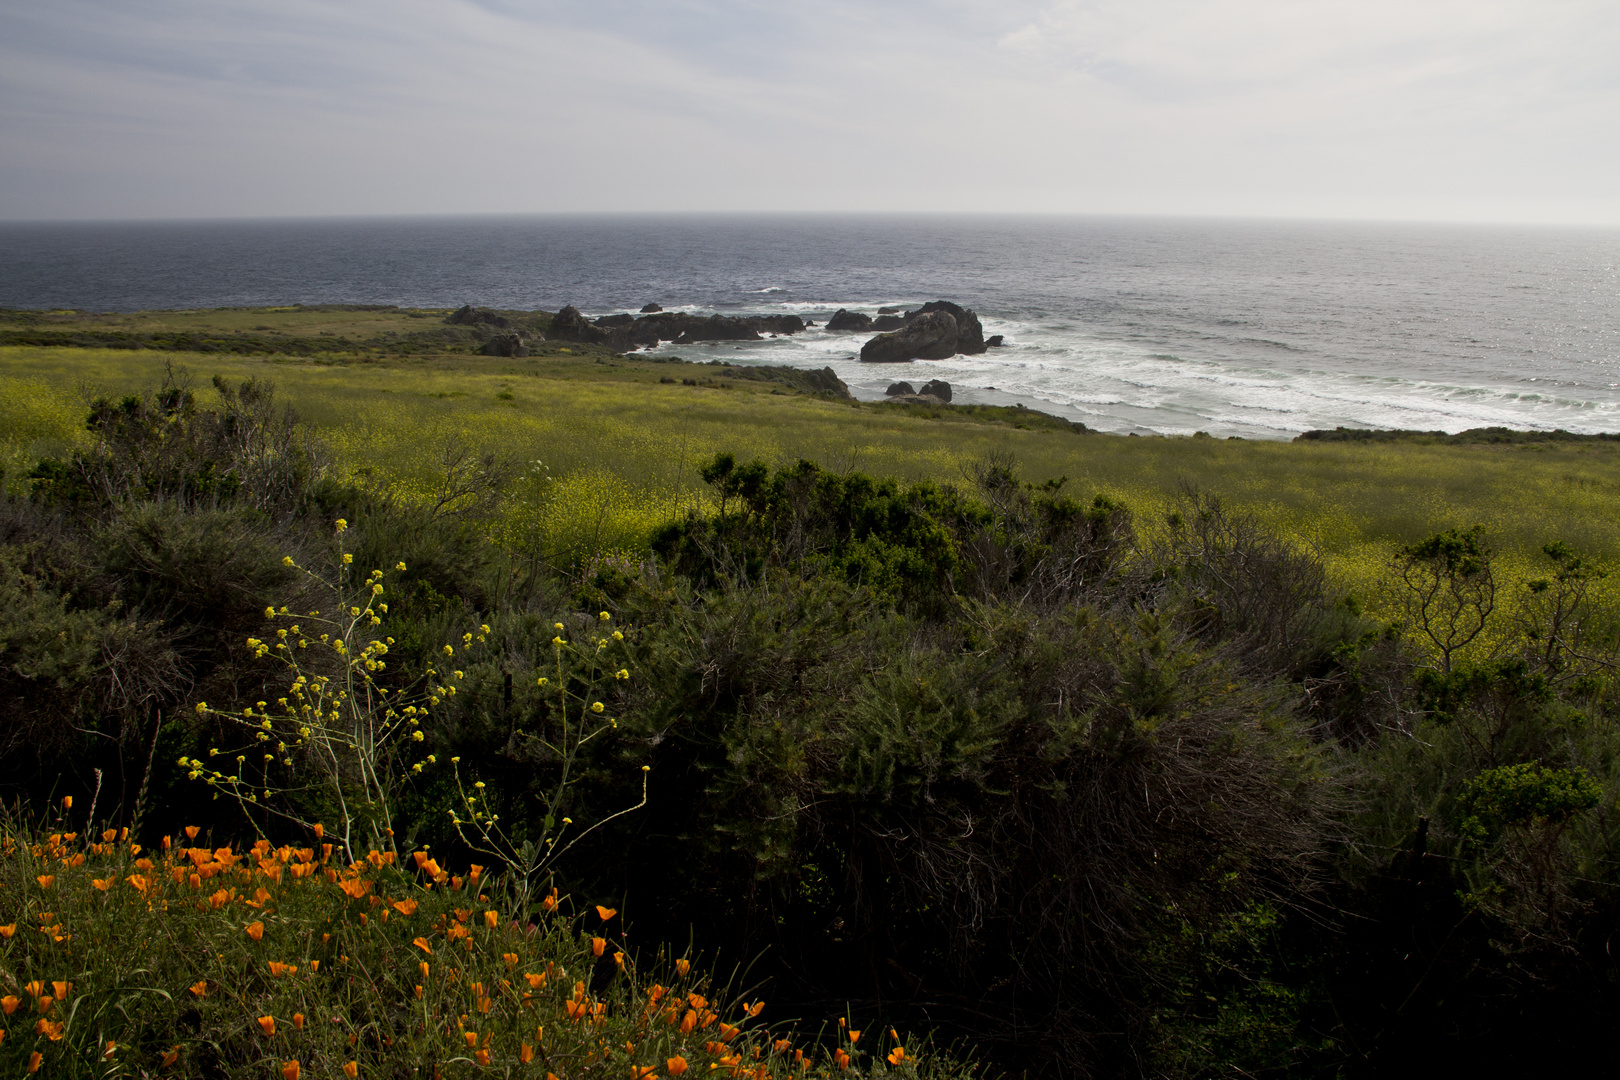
(1449, 590)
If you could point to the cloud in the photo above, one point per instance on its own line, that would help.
(1430, 108)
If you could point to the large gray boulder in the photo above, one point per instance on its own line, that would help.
(505, 345)
(969, 331)
(900, 388)
(849, 320)
(926, 336)
(937, 388)
(888, 322)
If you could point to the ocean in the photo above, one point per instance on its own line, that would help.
(1260, 329)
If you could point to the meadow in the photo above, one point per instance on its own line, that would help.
(607, 447)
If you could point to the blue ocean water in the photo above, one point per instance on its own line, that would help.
(1253, 328)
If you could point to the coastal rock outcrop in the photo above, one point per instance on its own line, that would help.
(994, 341)
(505, 345)
(570, 325)
(900, 388)
(969, 332)
(888, 322)
(625, 331)
(938, 388)
(849, 320)
(648, 309)
(926, 336)
(467, 315)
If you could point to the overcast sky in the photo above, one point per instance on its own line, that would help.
(1492, 110)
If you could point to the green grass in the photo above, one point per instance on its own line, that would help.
(621, 447)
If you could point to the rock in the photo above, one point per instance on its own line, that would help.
(650, 308)
(937, 388)
(928, 336)
(827, 380)
(917, 399)
(777, 324)
(570, 325)
(888, 311)
(467, 315)
(849, 320)
(900, 388)
(994, 341)
(888, 322)
(615, 320)
(717, 328)
(969, 332)
(505, 345)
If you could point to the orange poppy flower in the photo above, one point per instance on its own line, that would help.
(689, 1022)
(46, 880)
(511, 959)
(101, 883)
(191, 832)
(61, 989)
(605, 913)
(525, 1054)
(854, 1036)
(298, 1021)
(405, 907)
(7, 930)
(422, 943)
(45, 1004)
(267, 1024)
(598, 946)
(289, 1071)
(897, 1055)
(172, 1056)
(471, 1037)
(351, 1069)
(492, 919)
(199, 988)
(320, 830)
(34, 1061)
(683, 966)
(9, 1003)
(255, 931)
(756, 1008)
(535, 981)
(482, 1057)
(676, 1065)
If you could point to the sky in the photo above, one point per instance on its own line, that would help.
(1444, 110)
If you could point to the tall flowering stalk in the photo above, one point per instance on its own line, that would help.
(338, 736)
(578, 718)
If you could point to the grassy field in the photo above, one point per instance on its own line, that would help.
(610, 445)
